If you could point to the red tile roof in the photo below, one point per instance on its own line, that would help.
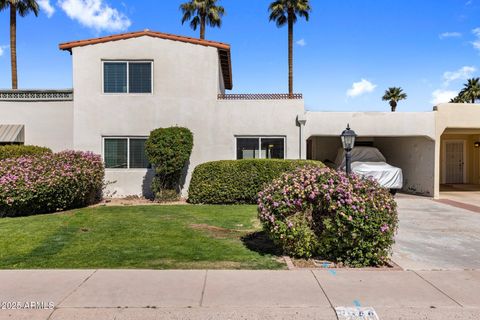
(223, 48)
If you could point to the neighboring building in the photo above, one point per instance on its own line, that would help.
(129, 84)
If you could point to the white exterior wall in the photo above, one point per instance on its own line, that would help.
(186, 85)
(47, 123)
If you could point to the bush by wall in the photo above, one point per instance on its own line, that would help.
(237, 181)
(49, 183)
(321, 212)
(168, 150)
(17, 151)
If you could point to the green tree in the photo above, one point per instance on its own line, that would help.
(23, 8)
(458, 99)
(286, 12)
(393, 95)
(168, 150)
(471, 90)
(202, 13)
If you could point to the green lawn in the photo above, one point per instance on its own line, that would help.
(153, 237)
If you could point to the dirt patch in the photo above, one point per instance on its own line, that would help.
(218, 232)
(197, 265)
(323, 264)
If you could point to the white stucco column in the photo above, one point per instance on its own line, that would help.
(302, 120)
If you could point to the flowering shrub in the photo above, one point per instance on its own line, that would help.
(49, 182)
(321, 212)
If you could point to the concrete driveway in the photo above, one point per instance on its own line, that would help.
(436, 236)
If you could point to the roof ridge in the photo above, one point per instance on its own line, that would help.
(146, 32)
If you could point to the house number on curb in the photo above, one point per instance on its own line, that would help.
(356, 313)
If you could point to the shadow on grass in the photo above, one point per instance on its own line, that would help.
(48, 248)
(261, 243)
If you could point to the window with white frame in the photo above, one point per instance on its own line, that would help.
(127, 76)
(260, 147)
(125, 153)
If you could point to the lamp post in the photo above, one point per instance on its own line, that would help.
(348, 141)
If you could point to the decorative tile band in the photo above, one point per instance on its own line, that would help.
(36, 95)
(260, 96)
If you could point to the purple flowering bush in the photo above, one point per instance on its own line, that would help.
(319, 212)
(49, 183)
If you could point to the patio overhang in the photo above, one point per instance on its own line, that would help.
(12, 133)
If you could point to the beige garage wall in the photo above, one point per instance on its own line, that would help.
(416, 157)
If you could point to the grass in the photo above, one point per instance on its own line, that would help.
(149, 237)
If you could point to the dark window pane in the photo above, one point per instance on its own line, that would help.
(247, 148)
(273, 148)
(115, 153)
(138, 158)
(140, 77)
(114, 77)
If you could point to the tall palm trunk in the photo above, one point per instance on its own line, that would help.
(202, 27)
(13, 44)
(393, 104)
(290, 52)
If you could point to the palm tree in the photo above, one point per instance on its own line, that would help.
(202, 12)
(458, 99)
(23, 7)
(471, 90)
(393, 95)
(287, 12)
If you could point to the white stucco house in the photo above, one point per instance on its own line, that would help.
(126, 85)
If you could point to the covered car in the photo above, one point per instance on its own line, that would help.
(370, 162)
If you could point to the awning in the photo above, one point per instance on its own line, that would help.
(12, 133)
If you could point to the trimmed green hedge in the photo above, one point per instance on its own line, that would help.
(17, 151)
(237, 181)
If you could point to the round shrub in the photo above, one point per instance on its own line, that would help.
(321, 212)
(168, 150)
(49, 183)
(17, 151)
(237, 181)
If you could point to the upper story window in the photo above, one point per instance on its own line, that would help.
(127, 76)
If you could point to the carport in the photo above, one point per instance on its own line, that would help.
(415, 155)
(405, 139)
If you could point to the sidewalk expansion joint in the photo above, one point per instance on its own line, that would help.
(440, 290)
(325, 293)
(75, 290)
(203, 289)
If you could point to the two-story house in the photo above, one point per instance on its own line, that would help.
(126, 85)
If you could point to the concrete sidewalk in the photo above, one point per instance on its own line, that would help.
(217, 294)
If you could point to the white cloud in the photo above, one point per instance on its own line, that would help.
(450, 35)
(469, 2)
(95, 14)
(2, 50)
(361, 87)
(461, 74)
(476, 42)
(442, 96)
(46, 7)
(302, 42)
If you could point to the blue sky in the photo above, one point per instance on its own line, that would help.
(345, 56)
